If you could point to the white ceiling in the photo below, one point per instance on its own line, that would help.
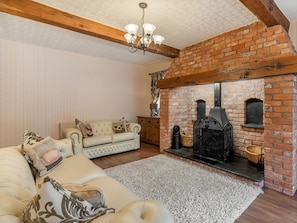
(181, 22)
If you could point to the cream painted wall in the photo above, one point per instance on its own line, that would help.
(41, 87)
(159, 66)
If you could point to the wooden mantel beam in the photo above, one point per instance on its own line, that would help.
(280, 66)
(268, 12)
(42, 13)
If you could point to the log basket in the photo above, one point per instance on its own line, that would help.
(186, 140)
(255, 154)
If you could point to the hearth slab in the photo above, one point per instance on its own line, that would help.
(239, 165)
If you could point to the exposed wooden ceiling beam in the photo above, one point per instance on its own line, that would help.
(38, 12)
(280, 66)
(268, 12)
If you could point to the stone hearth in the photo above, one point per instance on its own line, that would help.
(239, 167)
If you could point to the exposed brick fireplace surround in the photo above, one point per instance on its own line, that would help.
(248, 44)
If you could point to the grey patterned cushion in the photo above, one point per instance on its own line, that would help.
(55, 204)
(44, 155)
(90, 193)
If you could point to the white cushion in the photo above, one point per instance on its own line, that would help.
(119, 137)
(96, 140)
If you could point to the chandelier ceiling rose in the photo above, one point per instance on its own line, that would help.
(142, 5)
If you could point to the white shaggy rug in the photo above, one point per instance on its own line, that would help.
(192, 194)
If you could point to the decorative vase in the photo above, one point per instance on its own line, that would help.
(154, 109)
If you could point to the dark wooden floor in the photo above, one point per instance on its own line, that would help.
(272, 206)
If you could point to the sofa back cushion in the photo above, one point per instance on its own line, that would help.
(101, 128)
(17, 186)
(15, 174)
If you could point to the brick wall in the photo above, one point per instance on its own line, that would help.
(248, 44)
(251, 43)
(234, 96)
(280, 133)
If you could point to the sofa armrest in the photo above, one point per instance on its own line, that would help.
(76, 137)
(74, 134)
(149, 211)
(134, 127)
(65, 147)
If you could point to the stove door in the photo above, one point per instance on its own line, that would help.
(212, 143)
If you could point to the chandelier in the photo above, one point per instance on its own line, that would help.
(146, 34)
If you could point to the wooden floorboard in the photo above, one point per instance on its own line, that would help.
(146, 150)
(271, 206)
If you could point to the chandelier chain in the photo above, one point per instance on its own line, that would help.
(142, 21)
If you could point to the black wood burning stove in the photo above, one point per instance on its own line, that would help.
(213, 134)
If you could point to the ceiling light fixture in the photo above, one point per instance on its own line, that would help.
(146, 35)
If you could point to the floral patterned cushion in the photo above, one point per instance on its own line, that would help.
(29, 138)
(55, 204)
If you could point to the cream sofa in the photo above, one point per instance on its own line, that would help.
(104, 140)
(17, 188)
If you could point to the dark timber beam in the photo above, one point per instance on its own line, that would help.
(42, 13)
(268, 12)
(280, 66)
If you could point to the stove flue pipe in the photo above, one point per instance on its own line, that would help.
(217, 94)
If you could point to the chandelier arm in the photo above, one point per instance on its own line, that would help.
(157, 48)
(132, 48)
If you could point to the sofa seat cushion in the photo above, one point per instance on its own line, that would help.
(77, 169)
(96, 140)
(116, 194)
(119, 137)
